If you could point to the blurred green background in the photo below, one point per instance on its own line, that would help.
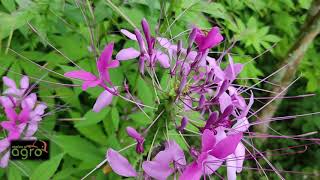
(30, 29)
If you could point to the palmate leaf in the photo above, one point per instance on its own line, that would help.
(16, 19)
(252, 34)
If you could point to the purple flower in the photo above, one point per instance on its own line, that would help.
(160, 167)
(13, 90)
(212, 155)
(16, 123)
(148, 53)
(140, 139)
(104, 63)
(208, 40)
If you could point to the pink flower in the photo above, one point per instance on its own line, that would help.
(16, 123)
(212, 155)
(104, 63)
(13, 90)
(208, 40)
(160, 168)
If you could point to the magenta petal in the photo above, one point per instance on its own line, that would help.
(240, 153)
(88, 84)
(120, 164)
(192, 172)
(128, 34)
(208, 140)
(157, 170)
(231, 167)
(127, 54)
(163, 59)
(104, 99)
(226, 146)
(8, 125)
(29, 101)
(81, 74)
(104, 60)
(212, 39)
(114, 64)
(11, 114)
(9, 82)
(24, 115)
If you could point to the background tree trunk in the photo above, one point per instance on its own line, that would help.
(308, 32)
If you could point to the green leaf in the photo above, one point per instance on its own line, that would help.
(145, 92)
(93, 117)
(79, 148)
(94, 132)
(47, 169)
(13, 172)
(115, 118)
(9, 5)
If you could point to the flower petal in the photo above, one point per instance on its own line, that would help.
(24, 115)
(126, 54)
(120, 164)
(128, 34)
(24, 82)
(104, 99)
(226, 146)
(32, 128)
(9, 82)
(157, 170)
(4, 144)
(6, 102)
(11, 114)
(81, 74)
(231, 167)
(163, 59)
(29, 101)
(114, 64)
(240, 153)
(88, 84)
(134, 134)
(208, 140)
(211, 164)
(104, 60)
(192, 172)
(5, 160)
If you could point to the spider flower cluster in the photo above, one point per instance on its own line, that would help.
(23, 114)
(196, 83)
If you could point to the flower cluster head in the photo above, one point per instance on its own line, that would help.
(22, 114)
(196, 82)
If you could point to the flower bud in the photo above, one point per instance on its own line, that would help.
(184, 122)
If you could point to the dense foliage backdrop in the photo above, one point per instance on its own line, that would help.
(41, 31)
